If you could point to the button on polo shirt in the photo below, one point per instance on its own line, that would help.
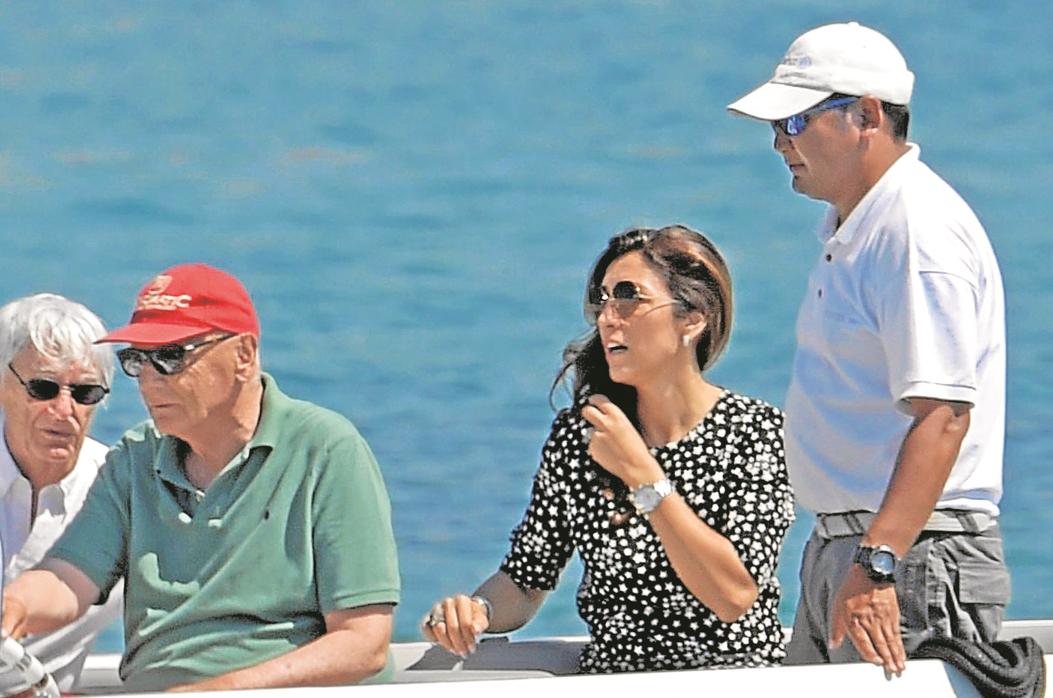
(297, 525)
(191, 499)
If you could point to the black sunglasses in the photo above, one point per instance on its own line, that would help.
(167, 360)
(47, 389)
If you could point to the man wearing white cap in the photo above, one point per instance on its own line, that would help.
(896, 409)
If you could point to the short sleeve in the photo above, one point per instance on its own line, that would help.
(930, 336)
(96, 542)
(760, 502)
(354, 545)
(541, 543)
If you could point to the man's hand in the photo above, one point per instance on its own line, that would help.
(14, 626)
(868, 613)
(15, 617)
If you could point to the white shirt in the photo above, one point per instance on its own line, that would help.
(63, 651)
(905, 302)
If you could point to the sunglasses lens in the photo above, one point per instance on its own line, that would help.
(624, 298)
(131, 361)
(87, 394)
(42, 389)
(594, 304)
(625, 291)
(168, 360)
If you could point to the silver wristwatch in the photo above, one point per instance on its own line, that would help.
(646, 498)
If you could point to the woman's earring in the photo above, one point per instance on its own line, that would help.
(686, 339)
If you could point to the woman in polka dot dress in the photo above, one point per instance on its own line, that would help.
(672, 490)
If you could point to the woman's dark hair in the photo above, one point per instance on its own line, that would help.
(698, 279)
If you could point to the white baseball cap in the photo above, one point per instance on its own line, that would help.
(836, 58)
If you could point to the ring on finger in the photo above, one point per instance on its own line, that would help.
(435, 617)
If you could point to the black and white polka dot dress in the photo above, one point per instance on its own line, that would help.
(731, 470)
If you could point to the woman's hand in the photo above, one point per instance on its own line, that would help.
(617, 445)
(455, 623)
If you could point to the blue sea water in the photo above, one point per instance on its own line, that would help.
(414, 191)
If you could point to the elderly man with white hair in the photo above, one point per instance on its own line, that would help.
(52, 378)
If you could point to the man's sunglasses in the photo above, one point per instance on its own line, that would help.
(795, 125)
(167, 360)
(47, 389)
(624, 299)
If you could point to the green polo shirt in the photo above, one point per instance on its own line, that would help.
(295, 526)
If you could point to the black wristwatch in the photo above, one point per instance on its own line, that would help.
(879, 563)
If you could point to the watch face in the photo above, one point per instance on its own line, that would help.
(647, 498)
(883, 561)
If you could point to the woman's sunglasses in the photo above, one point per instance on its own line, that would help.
(623, 299)
(47, 389)
(167, 360)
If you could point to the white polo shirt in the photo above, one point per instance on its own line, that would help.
(63, 651)
(905, 301)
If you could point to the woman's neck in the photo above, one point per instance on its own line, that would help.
(668, 410)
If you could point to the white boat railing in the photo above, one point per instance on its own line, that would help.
(500, 664)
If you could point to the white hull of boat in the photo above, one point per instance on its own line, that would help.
(514, 668)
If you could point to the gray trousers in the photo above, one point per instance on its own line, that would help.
(948, 584)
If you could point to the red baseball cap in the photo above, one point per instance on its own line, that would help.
(186, 301)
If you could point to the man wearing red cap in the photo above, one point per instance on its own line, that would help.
(895, 416)
(253, 531)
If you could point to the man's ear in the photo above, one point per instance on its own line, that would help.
(246, 355)
(870, 114)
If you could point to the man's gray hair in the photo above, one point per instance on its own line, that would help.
(59, 329)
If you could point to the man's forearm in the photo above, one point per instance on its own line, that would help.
(925, 461)
(331, 660)
(344, 655)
